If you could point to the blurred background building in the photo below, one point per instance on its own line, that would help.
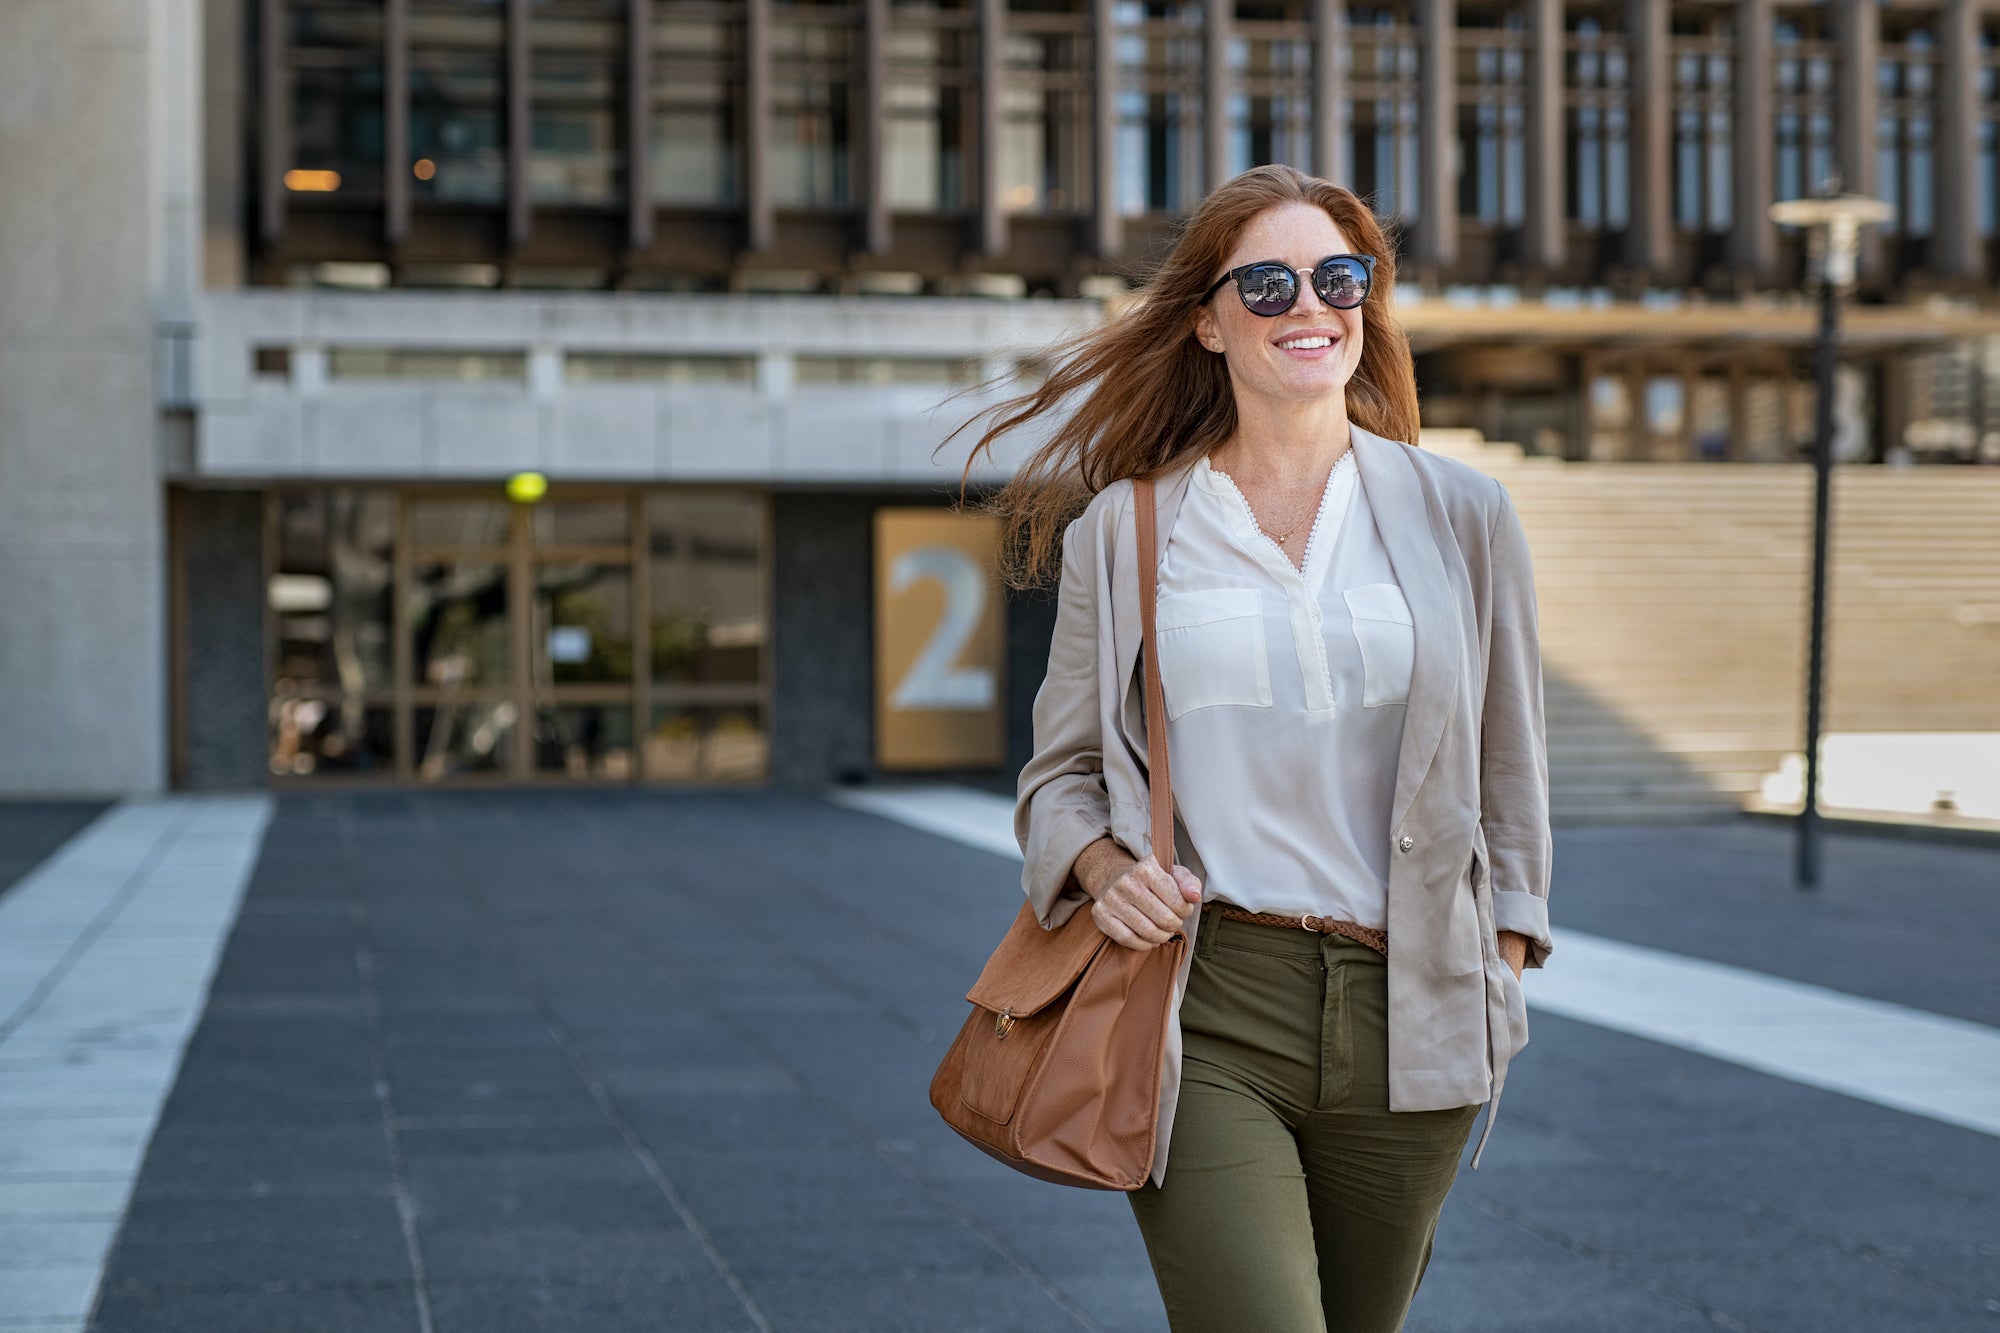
(290, 288)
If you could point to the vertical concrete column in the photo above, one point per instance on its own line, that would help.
(874, 126)
(776, 372)
(1639, 424)
(87, 249)
(1739, 411)
(218, 637)
(1107, 229)
(1857, 28)
(520, 207)
(1437, 130)
(1957, 245)
(1753, 243)
(1547, 222)
(759, 224)
(1651, 243)
(1217, 18)
(274, 119)
(639, 124)
(992, 73)
(1332, 152)
(396, 121)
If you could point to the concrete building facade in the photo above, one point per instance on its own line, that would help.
(290, 288)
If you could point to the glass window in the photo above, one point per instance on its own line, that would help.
(812, 112)
(576, 150)
(1805, 106)
(424, 364)
(1270, 65)
(335, 54)
(1159, 105)
(925, 139)
(457, 105)
(466, 525)
(331, 735)
(1599, 142)
(1986, 142)
(883, 370)
(1045, 148)
(1702, 57)
(718, 743)
(1610, 419)
(582, 522)
(457, 618)
(709, 613)
(330, 591)
(1905, 130)
(584, 740)
(697, 135)
(1382, 42)
(1492, 109)
(464, 738)
(582, 628)
(667, 369)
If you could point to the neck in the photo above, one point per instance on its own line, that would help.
(1285, 442)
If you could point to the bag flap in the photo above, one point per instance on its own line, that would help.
(1032, 966)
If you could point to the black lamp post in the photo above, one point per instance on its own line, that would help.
(1835, 221)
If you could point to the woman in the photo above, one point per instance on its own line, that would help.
(1348, 649)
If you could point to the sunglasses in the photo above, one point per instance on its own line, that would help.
(1269, 288)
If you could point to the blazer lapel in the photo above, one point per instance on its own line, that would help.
(1396, 495)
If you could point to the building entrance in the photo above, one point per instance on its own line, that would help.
(612, 635)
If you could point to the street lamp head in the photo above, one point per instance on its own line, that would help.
(1836, 221)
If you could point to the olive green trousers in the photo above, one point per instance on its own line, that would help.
(1295, 1201)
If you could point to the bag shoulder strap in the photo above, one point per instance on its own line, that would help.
(1159, 780)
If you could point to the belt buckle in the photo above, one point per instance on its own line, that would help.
(1306, 924)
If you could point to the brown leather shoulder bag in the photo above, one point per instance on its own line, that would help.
(1057, 1069)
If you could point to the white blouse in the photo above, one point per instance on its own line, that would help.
(1285, 694)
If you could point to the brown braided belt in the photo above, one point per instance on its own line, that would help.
(1318, 925)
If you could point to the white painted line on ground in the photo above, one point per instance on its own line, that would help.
(106, 953)
(1944, 1068)
(977, 818)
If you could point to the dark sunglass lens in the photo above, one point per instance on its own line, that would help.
(1342, 282)
(1268, 289)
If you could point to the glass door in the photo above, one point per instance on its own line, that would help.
(457, 648)
(580, 644)
(613, 635)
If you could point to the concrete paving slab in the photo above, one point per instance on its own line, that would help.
(105, 949)
(688, 1092)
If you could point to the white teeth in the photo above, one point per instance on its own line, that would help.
(1303, 344)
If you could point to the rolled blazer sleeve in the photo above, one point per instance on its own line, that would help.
(1061, 805)
(1513, 744)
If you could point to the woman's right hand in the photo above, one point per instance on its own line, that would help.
(1144, 906)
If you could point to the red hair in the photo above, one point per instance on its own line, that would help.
(1142, 395)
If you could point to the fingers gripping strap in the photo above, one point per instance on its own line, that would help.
(1159, 781)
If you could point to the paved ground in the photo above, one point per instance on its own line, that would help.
(614, 1061)
(30, 830)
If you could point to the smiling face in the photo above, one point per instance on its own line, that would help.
(1311, 350)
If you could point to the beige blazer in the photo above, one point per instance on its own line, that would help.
(1469, 827)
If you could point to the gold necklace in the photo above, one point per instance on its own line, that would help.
(1286, 535)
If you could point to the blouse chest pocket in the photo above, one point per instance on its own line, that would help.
(1212, 649)
(1387, 636)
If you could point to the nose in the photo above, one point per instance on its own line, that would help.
(1308, 302)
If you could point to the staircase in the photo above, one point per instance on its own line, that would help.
(1674, 598)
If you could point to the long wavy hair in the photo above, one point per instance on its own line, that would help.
(1137, 394)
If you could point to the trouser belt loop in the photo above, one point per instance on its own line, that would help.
(1205, 931)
